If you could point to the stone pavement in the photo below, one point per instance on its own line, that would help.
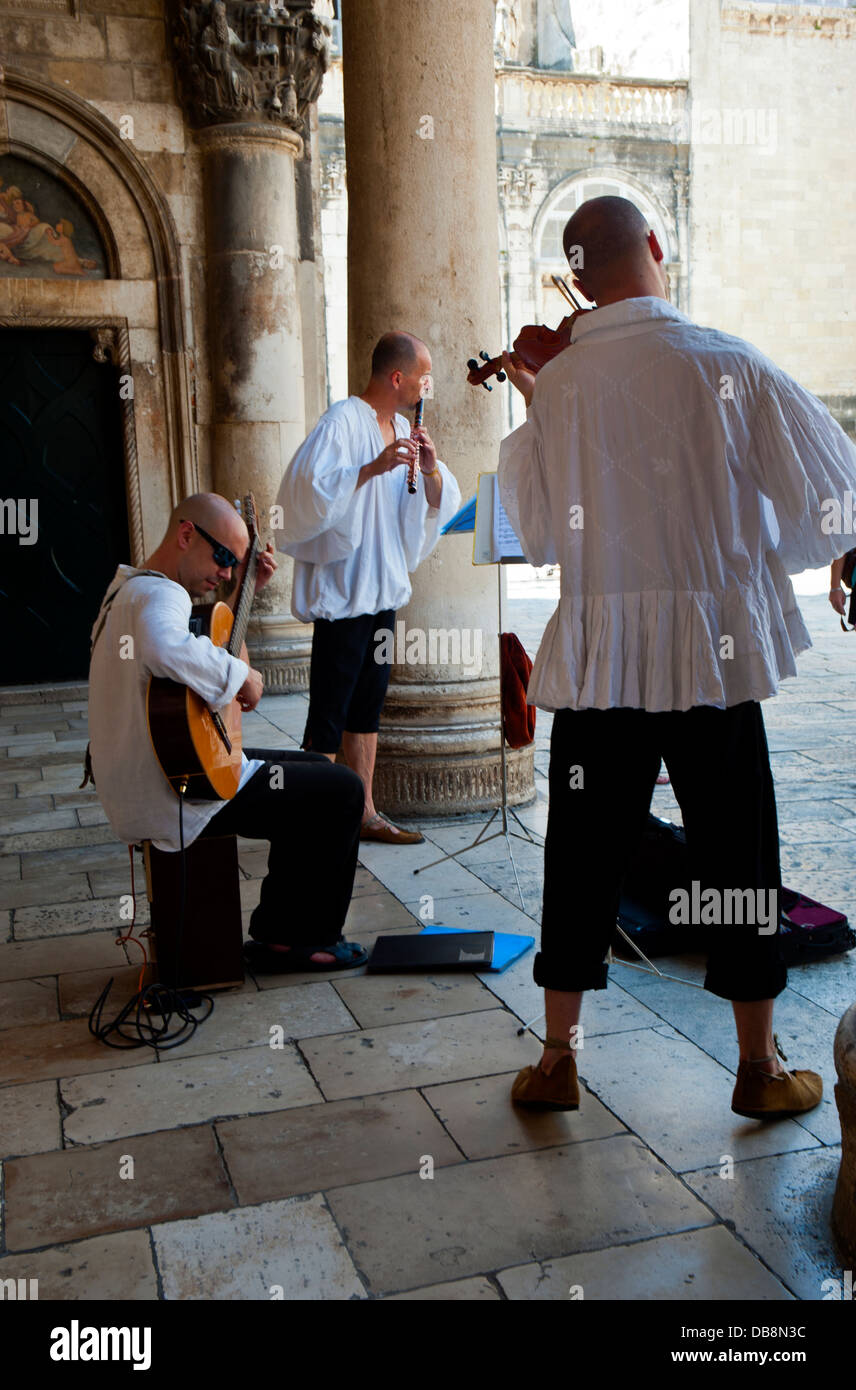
(376, 1154)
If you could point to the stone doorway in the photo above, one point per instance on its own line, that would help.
(63, 507)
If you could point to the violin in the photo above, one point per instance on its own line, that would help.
(535, 344)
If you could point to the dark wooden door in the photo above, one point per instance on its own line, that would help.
(60, 447)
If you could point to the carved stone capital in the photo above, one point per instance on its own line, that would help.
(517, 184)
(249, 60)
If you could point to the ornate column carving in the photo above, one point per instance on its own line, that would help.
(682, 222)
(249, 74)
(422, 251)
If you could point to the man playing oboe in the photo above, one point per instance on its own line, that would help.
(357, 535)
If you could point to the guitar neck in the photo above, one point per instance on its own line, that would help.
(244, 604)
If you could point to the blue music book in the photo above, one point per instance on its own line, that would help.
(507, 946)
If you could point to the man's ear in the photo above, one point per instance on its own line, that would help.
(655, 248)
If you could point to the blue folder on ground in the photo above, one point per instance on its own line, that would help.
(507, 946)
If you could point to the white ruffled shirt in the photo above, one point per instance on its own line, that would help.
(701, 470)
(354, 548)
(147, 621)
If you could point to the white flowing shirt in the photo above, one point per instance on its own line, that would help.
(701, 469)
(355, 548)
(147, 620)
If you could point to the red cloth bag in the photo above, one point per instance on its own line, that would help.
(518, 718)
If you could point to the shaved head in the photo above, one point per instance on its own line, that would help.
(396, 352)
(607, 239)
(214, 514)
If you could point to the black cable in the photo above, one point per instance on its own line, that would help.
(156, 998)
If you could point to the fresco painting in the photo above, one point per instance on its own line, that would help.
(44, 229)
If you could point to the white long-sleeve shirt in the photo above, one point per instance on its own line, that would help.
(355, 548)
(701, 470)
(147, 621)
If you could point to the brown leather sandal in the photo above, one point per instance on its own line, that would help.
(761, 1095)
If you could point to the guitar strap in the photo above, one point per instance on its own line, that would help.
(105, 611)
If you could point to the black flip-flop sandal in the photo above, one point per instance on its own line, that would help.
(265, 961)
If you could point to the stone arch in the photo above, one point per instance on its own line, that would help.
(609, 179)
(143, 301)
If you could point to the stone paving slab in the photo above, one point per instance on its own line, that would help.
(806, 1034)
(417, 1054)
(482, 1120)
(332, 1145)
(245, 1020)
(479, 911)
(29, 1119)
(35, 892)
(28, 1001)
(20, 960)
(458, 1291)
(379, 999)
(79, 990)
(115, 1268)
(405, 1233)
(678, 1100)
(73, 918)
(55, 1197)
(38, 1051)
(781, 1208)
(287, 1250)
(694, 1266)
(184, 1092)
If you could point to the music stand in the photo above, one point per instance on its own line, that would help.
(503, 809)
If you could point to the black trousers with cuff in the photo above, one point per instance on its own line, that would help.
(719, 767)
(312, 821)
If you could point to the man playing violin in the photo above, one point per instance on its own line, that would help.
(676, 475)
(284, 797)
(356, 535)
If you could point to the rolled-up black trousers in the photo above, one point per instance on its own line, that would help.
(310, 810)
(603, 768)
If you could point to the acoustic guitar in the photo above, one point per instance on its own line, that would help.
(194, 744)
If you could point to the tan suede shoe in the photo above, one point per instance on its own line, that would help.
(558, 1091)
(760, 1095)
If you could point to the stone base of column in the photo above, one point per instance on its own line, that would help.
(282, 657)
(432, 786)
(844, 1203)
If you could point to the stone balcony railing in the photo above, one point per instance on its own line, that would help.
(526, 98)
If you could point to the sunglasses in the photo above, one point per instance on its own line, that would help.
(223, 557)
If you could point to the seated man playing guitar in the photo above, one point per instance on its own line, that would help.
(307, 807)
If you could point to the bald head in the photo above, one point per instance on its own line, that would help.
(214, 514)
(610, 247)
(396, 352)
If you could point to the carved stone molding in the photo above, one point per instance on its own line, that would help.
(249, 61)
(333, 182)
(518, 184)
(790, 19)
(429, 786)
(112, 344)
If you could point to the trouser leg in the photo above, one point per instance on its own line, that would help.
(603, 765)
(310, 810)
(719, 765)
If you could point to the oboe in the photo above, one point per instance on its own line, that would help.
(413, 468)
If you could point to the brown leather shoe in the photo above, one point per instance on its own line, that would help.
(761, 1095)
(385, 833)
(558, 1091)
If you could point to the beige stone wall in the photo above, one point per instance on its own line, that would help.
(104, 107)
(773, 194)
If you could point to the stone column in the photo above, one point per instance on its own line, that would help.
(420, 133)
(844, 1203)
(249, 77)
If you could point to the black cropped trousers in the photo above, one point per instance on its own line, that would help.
(603, 768)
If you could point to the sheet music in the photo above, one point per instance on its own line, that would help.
(505, 542)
